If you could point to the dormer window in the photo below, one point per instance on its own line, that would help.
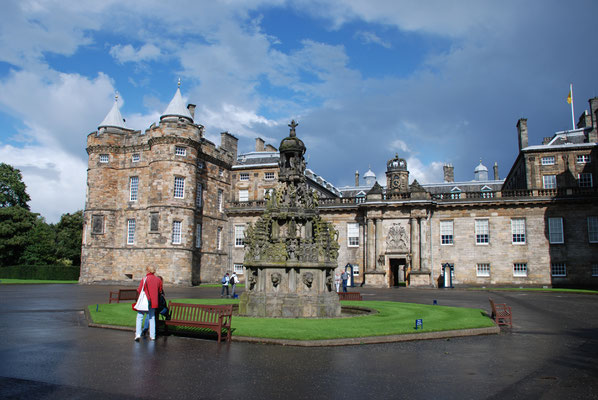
(180, 151)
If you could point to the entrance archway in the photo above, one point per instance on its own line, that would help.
(397, 271)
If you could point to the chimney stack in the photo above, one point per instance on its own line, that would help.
(449, 172)
(259, 144)
(191, 108)
(522, 132)
(495, 171)
(356, 178)
(593, 135)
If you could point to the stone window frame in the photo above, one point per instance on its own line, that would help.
(133, 188)
(549, 181)
(518, 231)
(177, 231)
(269, 176)
(585, 180)
(548, 160)
(154, 216)
(583, 159)
(520, 270)
(243, 176)
(220, 200)
(131, 227)
(180, 151)
(446, 234)
(219, 238)
(482, 233)
(239, 236)
(243, 195)
(179, 187)
(593, 229)
(483, 270)
(135, 157)
(352, 234)
(556, 233)
(238, 269)
(199, 195)
(198, 235)
(558, 269)
(104, 158)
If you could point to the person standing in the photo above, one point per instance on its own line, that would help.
(233, 282)
(225, 282)
(337, 282)
(345, 278)
(152, 286)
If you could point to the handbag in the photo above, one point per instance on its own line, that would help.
(142, 303)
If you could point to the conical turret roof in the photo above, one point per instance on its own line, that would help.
(177, 108)
(113, 118)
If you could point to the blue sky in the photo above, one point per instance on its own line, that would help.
(434, 81)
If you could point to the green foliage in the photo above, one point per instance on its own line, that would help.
(42, 272)
(16, 224)
(41, 248)
(12, 188)
(69, 232)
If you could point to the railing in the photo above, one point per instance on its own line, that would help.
(439, 197)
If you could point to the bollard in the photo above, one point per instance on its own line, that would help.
(97, 308)
(435, 303)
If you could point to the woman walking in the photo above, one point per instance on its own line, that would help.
(151, 285)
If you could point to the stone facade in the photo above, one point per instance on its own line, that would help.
(388, 235)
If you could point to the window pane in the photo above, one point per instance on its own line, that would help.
(549, 181)
(243, 195)
(518, 230)
(244, 176)
(558, 269)
(239, 235)
(483, 270)
(352, 234)
(446, 232)
(555, 230)
(198, 236)
(176, 232)
(198, 198)
(585, 180)
(134, 187)
(481, 231)
(180, 151)
(593, 229)
(130, 231)
(179, 187)
(548, 160)
(520, 269)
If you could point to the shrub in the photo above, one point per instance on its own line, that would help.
(43, 272)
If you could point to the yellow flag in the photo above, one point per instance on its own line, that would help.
(569, 97)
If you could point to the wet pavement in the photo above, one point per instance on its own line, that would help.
(48, 352)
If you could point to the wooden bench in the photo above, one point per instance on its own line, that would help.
(201, 316)
(123, 294)
(501, 313)
(349, 296)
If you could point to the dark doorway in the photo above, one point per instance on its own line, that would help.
(397, 271)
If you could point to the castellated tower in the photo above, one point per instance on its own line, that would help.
(156, 198)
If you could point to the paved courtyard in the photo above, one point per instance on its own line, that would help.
(48, 352)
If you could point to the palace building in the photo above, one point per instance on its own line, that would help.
(170, 197)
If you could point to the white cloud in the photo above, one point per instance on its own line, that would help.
(55, 179)
(371, 38)
(128, 53)
(425, 173)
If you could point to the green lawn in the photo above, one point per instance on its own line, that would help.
(393, 318)
(4, 281)
(548, 290)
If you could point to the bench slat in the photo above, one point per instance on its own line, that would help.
(214, 317)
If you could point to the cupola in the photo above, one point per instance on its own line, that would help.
(113, 119)
(176, 108)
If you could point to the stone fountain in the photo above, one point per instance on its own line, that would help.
(290, 252)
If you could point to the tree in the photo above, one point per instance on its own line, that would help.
(15, 225)
(12, 188)
(41, 247)
(69, 232)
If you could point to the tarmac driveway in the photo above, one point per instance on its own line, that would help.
(48, 352)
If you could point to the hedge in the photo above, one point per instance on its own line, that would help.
(45, 272)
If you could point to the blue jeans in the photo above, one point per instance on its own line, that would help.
(232, 294)
(152, 322)
(224, 287)
(344, 285)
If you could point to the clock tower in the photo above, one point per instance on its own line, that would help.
(397, 176)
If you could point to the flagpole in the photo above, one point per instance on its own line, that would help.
(572, 112)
